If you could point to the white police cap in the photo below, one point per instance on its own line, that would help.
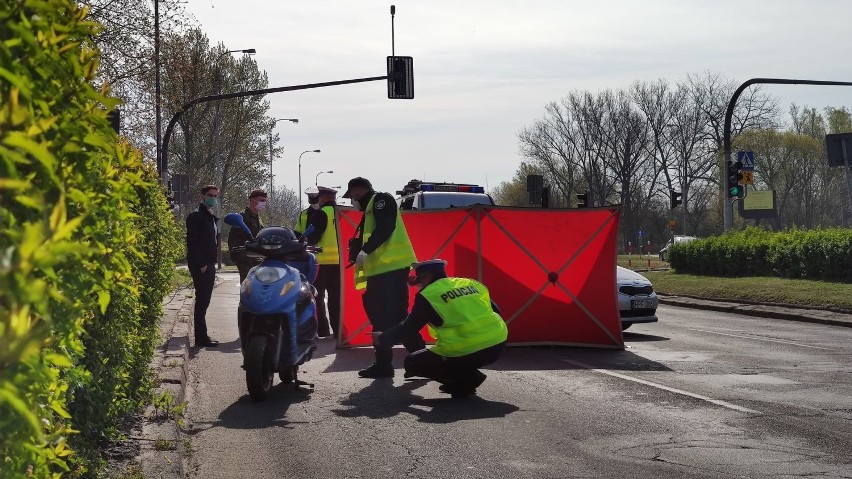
(429, 265)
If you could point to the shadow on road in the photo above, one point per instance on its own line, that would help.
(382, 400)
(641, 337)
(538, 358)
(230, 347)
(247, 414)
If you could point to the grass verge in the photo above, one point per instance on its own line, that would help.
(801, 292)
(637, 263)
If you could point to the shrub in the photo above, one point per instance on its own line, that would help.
(86, 246)
(824, 254)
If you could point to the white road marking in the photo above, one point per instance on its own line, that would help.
(758, 338)
(717, 402)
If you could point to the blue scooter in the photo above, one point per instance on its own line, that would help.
(277, 312)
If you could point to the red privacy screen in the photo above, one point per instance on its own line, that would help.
(550, 271)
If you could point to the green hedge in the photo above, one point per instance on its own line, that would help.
(87, 247)
(821, 254)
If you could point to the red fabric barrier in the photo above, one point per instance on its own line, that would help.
(551, 272)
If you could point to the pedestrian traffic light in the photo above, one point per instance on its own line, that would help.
(735, 190)
(676, 198)
(582, 201)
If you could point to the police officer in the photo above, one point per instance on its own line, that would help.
(305, 215)
(468, 330)
(382, 267)
(324, 234)
(237, 237)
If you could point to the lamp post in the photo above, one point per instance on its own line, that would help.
(271, 159)
(220, 179)
(316, 180)
(216, 115)
(300, 175)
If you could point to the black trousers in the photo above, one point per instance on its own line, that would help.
(203, 283)
(328, 285)
(460, 372)
(386, 305)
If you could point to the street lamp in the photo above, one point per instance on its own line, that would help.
(300, 175)
(274, 121)
(216, 115)
(248, 51)
(316, 180)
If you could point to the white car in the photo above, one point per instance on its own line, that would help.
(637, 301)
(664, 252)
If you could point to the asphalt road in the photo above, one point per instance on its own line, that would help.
(699, 394)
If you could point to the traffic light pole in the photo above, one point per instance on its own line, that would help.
(728, 208)
(164, 161)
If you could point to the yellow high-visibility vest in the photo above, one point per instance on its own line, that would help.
(395, 253)
(302, 221)
(328, 241)
(470, 324)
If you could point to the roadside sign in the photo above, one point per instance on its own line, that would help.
(747, 159)
(639, 232)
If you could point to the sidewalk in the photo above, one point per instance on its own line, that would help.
(163, 444)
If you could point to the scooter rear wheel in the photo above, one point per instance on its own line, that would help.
(259, 371)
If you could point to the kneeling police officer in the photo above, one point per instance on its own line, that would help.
(468, 329)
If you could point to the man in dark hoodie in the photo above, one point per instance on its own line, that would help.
(201, 256)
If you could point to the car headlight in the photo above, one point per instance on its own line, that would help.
(287, 287)
(268, 274)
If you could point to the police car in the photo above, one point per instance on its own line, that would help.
(422, 195)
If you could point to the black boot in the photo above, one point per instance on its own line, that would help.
(377, 371)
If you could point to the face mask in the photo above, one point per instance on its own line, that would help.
(261, 205)
(315, 206)
(356, 204)
(210, 202)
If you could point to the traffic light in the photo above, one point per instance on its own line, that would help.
(582, 201)
(676, 199)
(400, 78)
(735, 190)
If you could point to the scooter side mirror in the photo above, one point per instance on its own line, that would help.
(236, 220)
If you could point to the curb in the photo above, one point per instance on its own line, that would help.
(771, 311)
(162, 449)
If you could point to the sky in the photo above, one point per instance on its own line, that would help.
(484, 70)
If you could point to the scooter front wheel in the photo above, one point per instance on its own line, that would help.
(259, 371)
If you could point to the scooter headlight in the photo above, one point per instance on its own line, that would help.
(268, 274)
(246, 287)
(287, 287)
